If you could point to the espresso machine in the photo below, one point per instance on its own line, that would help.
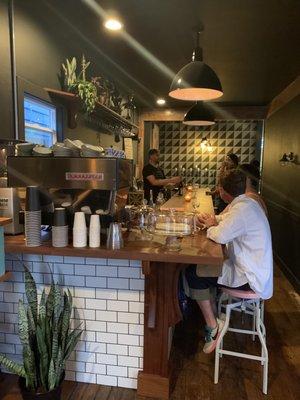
(92, 185)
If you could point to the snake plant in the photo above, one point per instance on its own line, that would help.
(46, 336)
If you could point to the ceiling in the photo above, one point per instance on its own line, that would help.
(253, 45)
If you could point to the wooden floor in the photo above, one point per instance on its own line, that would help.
(239, 379)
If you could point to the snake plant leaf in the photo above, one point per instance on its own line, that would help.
(12, 366)
(31, 293)
(48, 336)
(42, 307)
(31, 325)
(29, 365)
(72, 340)
(43, 356)
(51, 375)
(50, 301)
(23, 324)
(66, 315)
(54, 345)
(56, 303)
(60, 366)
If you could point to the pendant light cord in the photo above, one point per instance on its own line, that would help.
(197, 53)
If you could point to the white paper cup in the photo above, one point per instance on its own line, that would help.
(79, 221)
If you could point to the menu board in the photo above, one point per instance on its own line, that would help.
(128, 148)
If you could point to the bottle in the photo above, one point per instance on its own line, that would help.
(151, 202)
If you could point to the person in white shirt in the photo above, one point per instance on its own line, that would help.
(245, 231)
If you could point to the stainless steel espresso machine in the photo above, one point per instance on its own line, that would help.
(92, 185)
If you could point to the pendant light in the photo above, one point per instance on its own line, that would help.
(196, 80)
(200, 114)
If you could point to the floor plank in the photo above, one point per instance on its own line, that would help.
(239, 379)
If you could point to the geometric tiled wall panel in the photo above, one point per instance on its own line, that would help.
(180, 149)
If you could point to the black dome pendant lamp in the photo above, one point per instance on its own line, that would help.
(196, 80)
(199, 115)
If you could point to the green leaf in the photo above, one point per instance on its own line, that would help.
(12, 366)
(72, 340)
(31, 325)
(29, 365)
(43, 356)
(66, 315)
(60, 366)
(42, 308)
(50, 301)
(31, 293)
(51, 375)
(23, 324)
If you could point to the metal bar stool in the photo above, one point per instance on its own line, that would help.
(249, 303)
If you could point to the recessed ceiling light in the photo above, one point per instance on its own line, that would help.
(161, 102)
(113, 24)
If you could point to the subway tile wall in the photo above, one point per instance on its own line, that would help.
(179, 146)
(109, 299)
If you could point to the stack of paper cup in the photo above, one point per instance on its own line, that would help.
(59, 228)
(94, 231)
(79, 230)
(32, 217)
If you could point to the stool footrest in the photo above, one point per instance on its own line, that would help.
(247, 332)
(242, 355)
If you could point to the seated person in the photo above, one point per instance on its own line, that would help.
(245, 231)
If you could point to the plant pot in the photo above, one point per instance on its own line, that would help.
(54, 394)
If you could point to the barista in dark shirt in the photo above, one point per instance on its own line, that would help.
(154, 177)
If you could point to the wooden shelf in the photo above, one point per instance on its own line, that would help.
(73, 102)
(5, 277)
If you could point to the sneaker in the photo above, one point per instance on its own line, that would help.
(212, 335)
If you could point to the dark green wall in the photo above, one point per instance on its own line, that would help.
(281, 185)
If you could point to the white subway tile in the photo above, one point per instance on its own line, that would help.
(85, 270)
(135, 263)
(11, 318)
(13, 297)
(42, 267)
(80, 346)
(106, 271)
(129, 295)
(136, 329)
(88, 336)
(112, 261)
(107, 359)
(85, 356)
(32, 257)
(142, 296)
(85, 377)
(60, 279)
(89, 293)
(74, 260)
(106, 316)
(7, 348)
(84, 314)
(117, 305)
(95, 347)
(12, 339)
(38, 277)
(106, 337)
(127, 383)
(6, 307)
(128, 272)
(75, 366)
(96, 282)
(95, 304)
(137, 284)
(96, 261)
(19, 287)
(117, 349)
(13, 256)
(79, 302)
(117, 283)
(128, 339)
(137, 307)
(141, 363)
(95, 326)
(2, 317)
(133, 373)
(107, 294)
(1, 296)
(63, 269)
(129, 318)
(142, 341)
(128, 361)
(19, 349)
(142, 319)
(70, 375)
(107, 380)
(95, 368)
(74, 280)
(6, 287)
(116, 370)
(19, 265)
(2, 337)
(53, 259)
(136, 351)
(116, 327)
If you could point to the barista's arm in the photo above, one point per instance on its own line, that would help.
(163, 182)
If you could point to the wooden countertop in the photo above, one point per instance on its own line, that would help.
(5, 221)
(179, 204)
(194, 249)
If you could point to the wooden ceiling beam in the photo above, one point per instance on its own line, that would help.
(288, 94)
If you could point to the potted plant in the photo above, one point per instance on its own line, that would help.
(47, 340)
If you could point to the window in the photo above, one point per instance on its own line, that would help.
(39, 121)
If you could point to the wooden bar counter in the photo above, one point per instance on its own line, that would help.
(161, 269)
